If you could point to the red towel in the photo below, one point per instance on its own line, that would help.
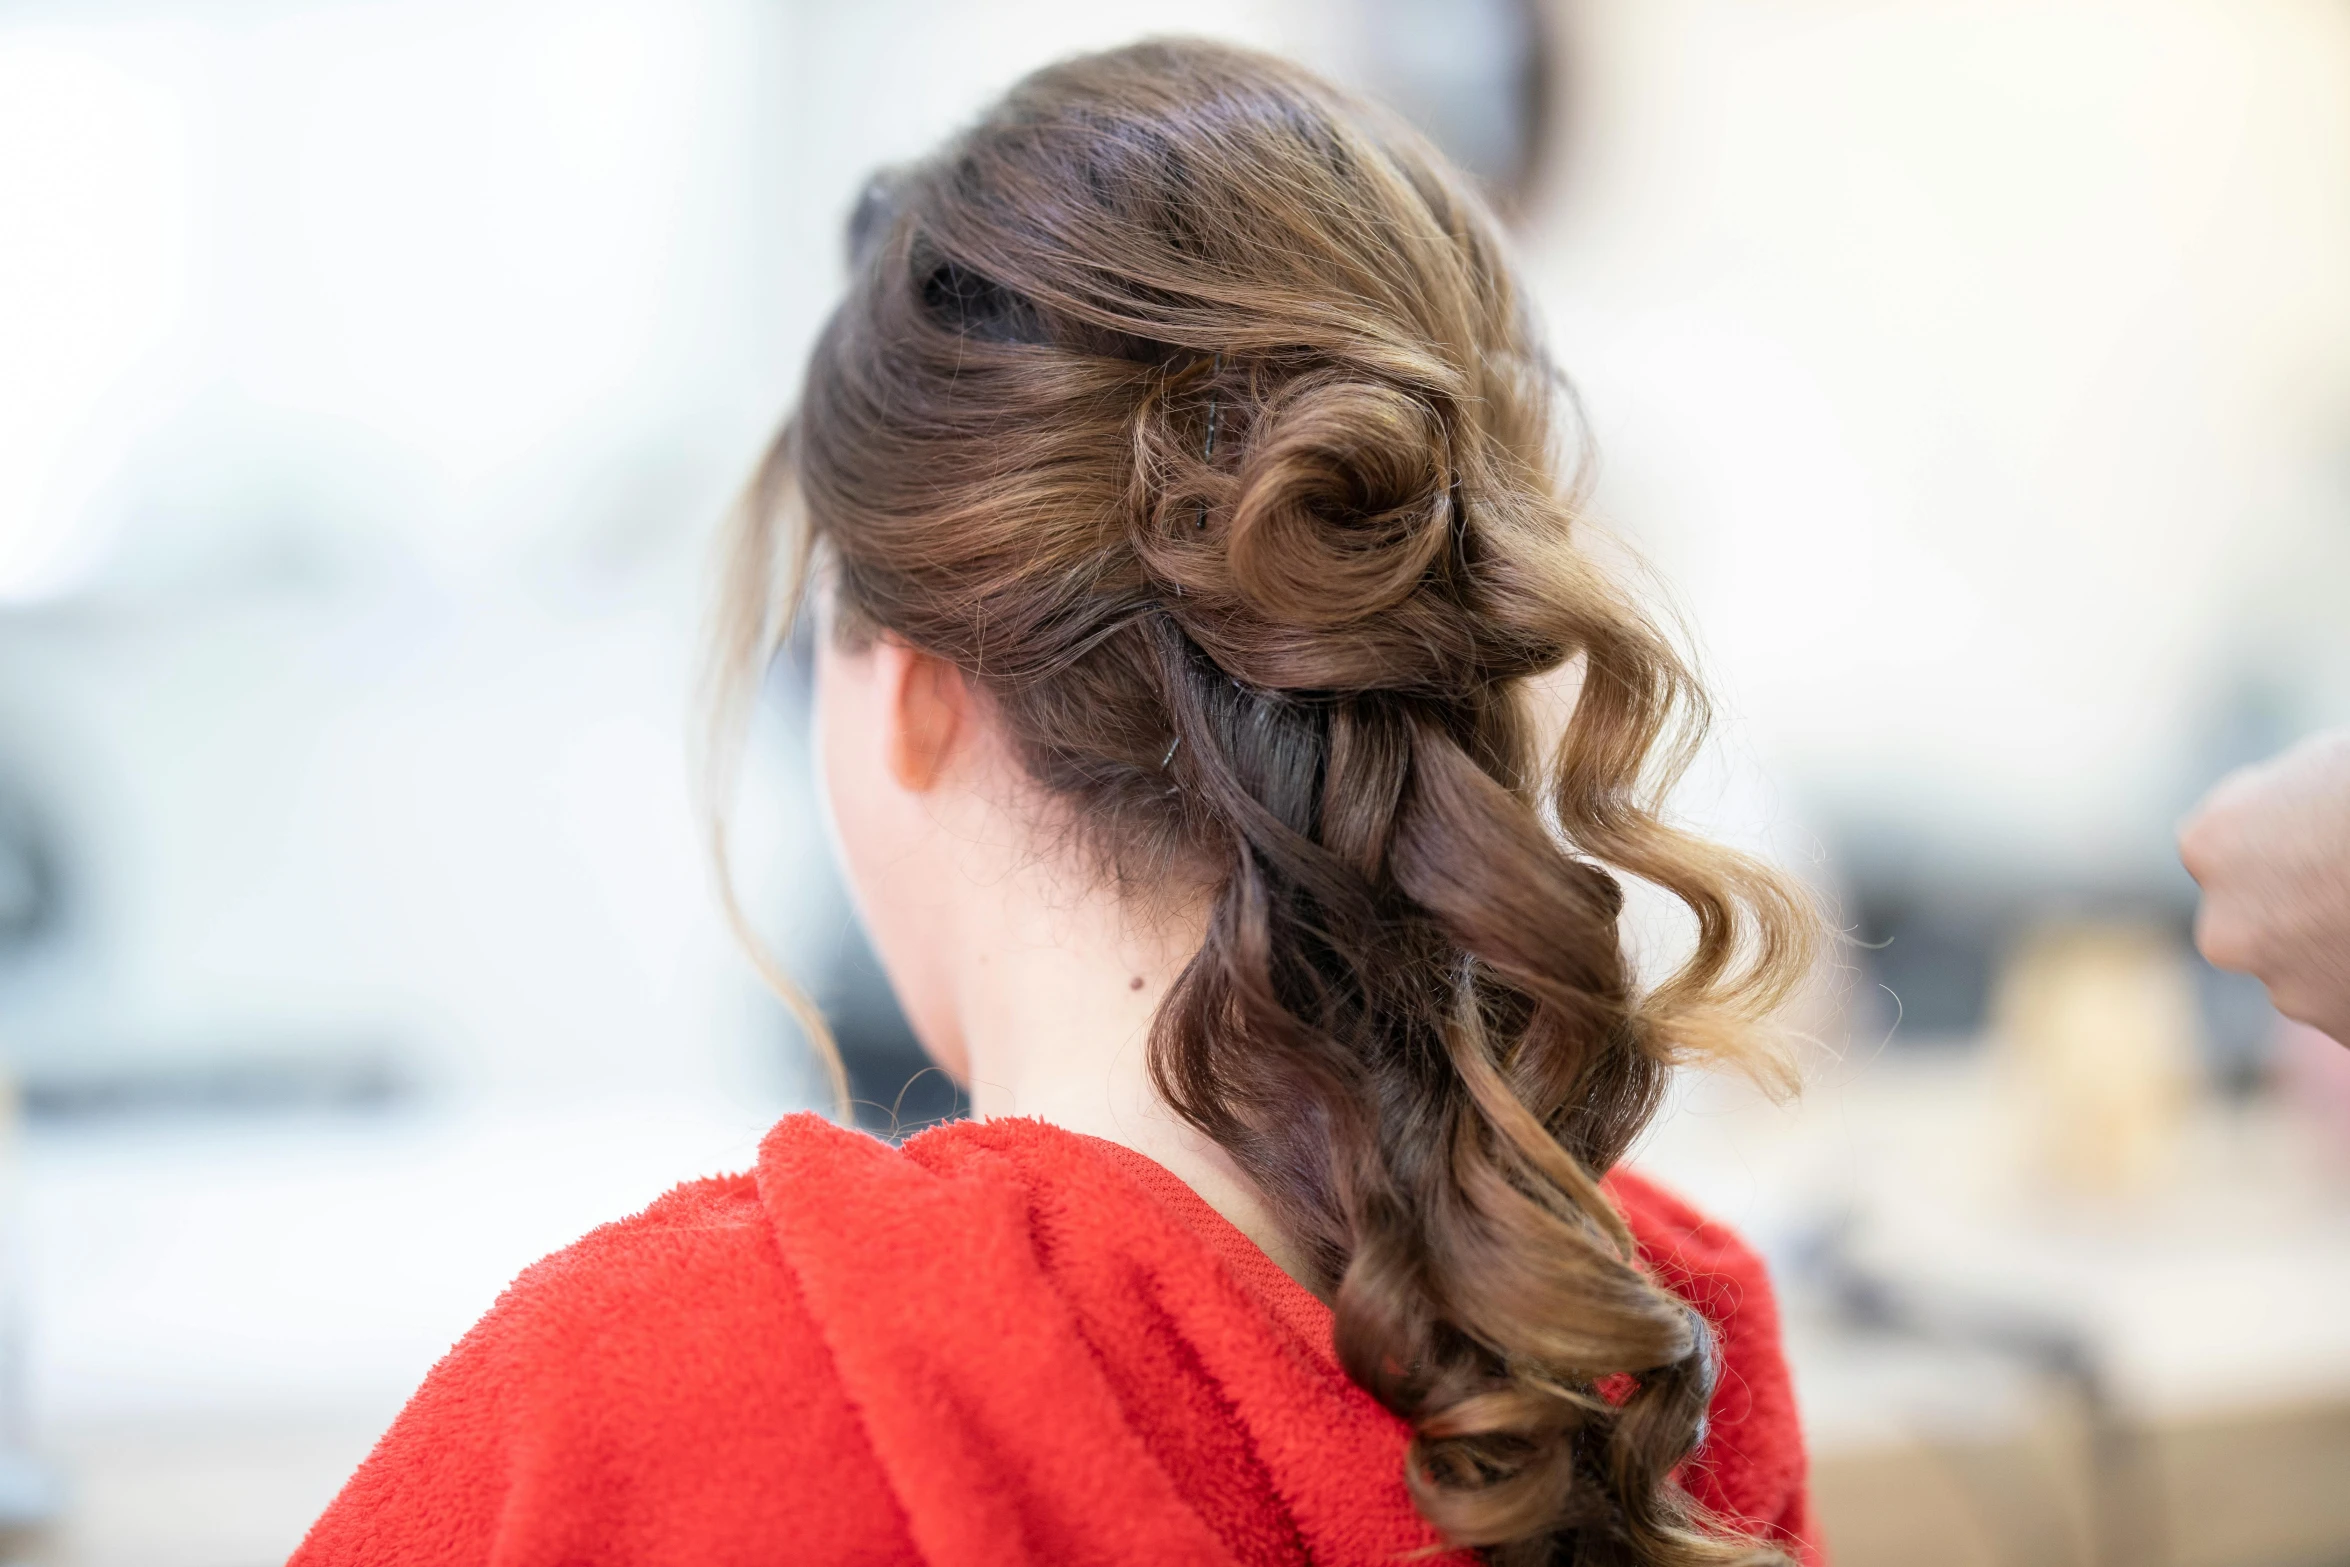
(1002, 1343)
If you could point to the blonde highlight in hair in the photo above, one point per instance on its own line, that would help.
(1297, 663)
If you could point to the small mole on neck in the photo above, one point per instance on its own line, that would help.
(1135, 983)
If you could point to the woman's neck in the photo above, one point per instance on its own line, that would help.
(1055, 993)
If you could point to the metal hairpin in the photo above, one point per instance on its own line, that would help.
(1216, 369)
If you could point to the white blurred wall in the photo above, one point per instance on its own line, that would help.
(376, 371)
(1978, 374)
(372, 374)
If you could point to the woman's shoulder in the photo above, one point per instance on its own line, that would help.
(1752, 1463)
(609, 1387)
(700, 1253)
(706, 1252)
(1687, 1247)
(706, 1249)
(714, 1223)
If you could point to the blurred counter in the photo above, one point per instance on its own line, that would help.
(220, 1317)
(1996, 1370)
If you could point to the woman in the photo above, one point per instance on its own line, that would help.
(1177, 481)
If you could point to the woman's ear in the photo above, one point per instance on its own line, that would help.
(925, 713)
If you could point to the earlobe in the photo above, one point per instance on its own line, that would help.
(924, 700)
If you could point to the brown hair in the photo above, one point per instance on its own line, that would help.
(1189, 407)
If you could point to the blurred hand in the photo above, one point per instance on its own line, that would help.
(2271, 847)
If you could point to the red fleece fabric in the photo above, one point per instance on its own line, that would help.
(1002, 1343)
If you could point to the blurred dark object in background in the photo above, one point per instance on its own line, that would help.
(308, 1080)
(1931, 936)
(1478, 77)
(30, 900)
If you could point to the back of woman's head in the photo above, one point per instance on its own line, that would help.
(1190, 409)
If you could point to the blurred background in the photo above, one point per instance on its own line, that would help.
(1975, 378)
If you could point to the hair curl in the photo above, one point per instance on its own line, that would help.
(1293, 658)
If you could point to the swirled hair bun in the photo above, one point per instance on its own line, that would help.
(1191, 408)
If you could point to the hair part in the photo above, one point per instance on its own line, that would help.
(1295, 663)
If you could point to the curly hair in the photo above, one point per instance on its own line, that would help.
(1191, 409)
